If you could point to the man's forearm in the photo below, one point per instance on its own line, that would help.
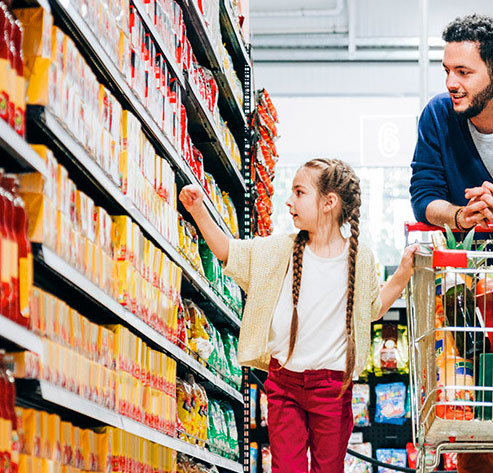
(441, 212)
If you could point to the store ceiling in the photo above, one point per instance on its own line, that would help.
(350, 30)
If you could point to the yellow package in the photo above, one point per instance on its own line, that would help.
(77, 447)
(31, 420)
(54, 445)
(35, 303)
(122, 238)
(25, 364)
(42, 218)
(184, 406)
(66, 434)
(25, 464)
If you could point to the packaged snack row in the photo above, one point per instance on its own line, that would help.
(223, 203)
(193, 406)
(356, 465)
(153, 404)
(266, 156)
(189, 465)
(47, 443)
(392, 404)
(110, 251)
(222, 284)
(230, 72)
(12, 81)
(222, 432)
(16, 267)
(189, 243)
(218, 351)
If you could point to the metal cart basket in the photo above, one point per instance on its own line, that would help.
(450, 327)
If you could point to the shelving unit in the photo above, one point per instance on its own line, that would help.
(67, 275)
(59, 278)
(205, 51)
(23, 157)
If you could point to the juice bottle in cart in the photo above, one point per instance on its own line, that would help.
(460, 310)
(25, 257)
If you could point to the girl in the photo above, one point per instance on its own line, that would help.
(311, 298)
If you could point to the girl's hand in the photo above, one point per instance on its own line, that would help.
(406, 266)
(192, 198)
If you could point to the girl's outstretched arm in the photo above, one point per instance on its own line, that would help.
(393, 288)
(192, 198)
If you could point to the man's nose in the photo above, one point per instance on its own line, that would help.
(452, 82)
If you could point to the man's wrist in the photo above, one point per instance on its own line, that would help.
(459, 220)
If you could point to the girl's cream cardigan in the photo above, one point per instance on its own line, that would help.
(259, 267)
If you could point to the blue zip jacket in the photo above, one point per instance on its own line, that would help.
(446, 161)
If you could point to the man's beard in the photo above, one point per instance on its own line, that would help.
(479, 102)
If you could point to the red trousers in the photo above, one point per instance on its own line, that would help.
(304, 412)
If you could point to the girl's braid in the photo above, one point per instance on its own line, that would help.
(298, 250)
(352, 251)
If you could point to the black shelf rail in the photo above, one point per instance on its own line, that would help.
(114, 200)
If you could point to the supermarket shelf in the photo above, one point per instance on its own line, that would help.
(25, 157)
(96, 55)
(58, 134)
(234, 35)
(200, 114)
(66, 271)
(170, 59)
(204, 49)
(68, 400)
(19, 335)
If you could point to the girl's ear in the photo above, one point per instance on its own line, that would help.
(331, 202)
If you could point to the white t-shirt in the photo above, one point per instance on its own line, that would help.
(484, 145)
(321, 341)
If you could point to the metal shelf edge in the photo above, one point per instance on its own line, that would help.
(19, 335)
(19, 148)
(166, 53)
(71, 401)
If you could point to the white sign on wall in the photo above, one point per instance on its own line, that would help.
(387, 140)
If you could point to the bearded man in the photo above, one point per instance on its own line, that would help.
(454, 152)
(452, 179)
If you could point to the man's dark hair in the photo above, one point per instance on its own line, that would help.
(474, 28)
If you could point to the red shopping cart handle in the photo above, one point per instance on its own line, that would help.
(424, 227)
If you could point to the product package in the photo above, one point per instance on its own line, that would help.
(391, 403)
(392, 456)
(361, 400)
(356, 465)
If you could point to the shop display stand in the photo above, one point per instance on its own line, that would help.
(61, 279)
(387, 435)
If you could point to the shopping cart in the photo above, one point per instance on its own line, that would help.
(450, 320)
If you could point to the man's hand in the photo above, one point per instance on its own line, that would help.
(479, 210)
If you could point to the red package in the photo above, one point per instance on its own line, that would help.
(450, 461)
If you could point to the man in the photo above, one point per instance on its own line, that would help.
(452, 180)
(454, 151)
